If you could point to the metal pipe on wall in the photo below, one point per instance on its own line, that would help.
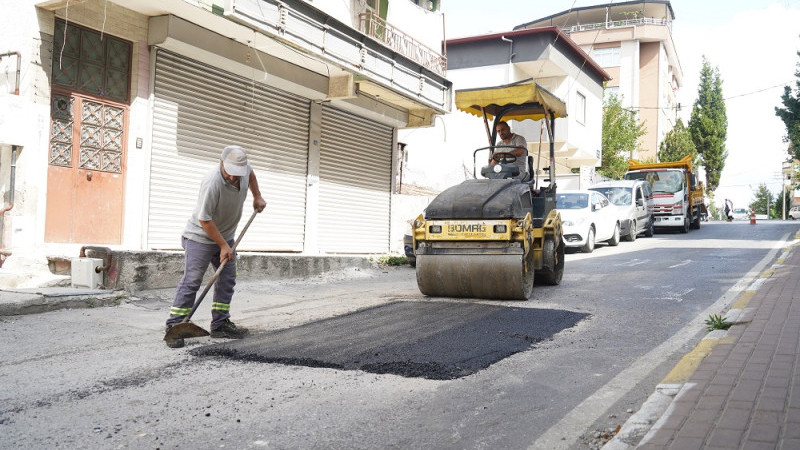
(4, 252)
(3, 248)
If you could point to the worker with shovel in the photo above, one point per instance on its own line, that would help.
(208, 239)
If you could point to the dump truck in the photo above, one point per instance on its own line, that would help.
(677, 195)
(494, 236)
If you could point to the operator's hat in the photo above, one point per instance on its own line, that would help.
(234, 160)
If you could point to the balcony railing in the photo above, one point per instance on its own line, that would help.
(617, 24)
(374, 26)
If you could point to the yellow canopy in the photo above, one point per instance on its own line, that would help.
(533, 99)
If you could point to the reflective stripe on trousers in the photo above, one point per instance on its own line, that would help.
(197, 257)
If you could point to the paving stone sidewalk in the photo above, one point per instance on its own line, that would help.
(746, 393)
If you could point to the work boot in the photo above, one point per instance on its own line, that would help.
(174, 343)
(229, 330)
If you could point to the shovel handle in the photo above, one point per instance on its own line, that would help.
(219, 270)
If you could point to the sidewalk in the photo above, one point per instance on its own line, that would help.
(15, 302)
(743, 388)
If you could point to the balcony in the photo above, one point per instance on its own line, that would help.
(617, 24)
(374, 26)
(307, 30)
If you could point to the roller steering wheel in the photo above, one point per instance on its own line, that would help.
(504, 157)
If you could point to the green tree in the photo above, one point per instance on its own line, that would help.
(709, 124)
(621, 133)
(763, 200)
(790, 115)
(677, 144)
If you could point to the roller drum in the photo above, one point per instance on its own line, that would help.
(474, 276)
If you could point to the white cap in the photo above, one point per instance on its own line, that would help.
(234, 160)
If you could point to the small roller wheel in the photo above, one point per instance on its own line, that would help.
(553, 263)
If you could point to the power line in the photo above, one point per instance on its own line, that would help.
(758, 91)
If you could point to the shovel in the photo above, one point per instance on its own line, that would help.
(186, 329)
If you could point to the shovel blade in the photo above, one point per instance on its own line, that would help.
(185, 330)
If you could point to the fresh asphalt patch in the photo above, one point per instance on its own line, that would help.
(433, 340)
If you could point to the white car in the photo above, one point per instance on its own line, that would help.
(740, 214)
(794, 213)
(634, 201)
(587, 218)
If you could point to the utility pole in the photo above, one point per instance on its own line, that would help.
(786, 177)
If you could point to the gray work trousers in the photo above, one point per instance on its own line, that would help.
(197, 257)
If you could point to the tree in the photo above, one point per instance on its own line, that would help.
(709, 124)
(621, 133)
(781, 210)
(677, 144)
(790, 115)
(763, 200)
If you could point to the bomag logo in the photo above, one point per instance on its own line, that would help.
(467, 228)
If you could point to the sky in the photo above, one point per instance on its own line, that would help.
(753, 43)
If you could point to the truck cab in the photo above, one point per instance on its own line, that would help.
(677, 195)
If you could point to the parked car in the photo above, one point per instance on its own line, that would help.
(634, 200)
(740, 214)
(794, 213)
(587, 217)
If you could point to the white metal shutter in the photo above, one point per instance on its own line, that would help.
(355, 184)
(198, 111)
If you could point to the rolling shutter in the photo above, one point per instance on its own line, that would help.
(198, 110)
(355, 184)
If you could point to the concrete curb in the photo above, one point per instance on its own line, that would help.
(17, 303)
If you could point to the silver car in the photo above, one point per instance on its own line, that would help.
(634, 200)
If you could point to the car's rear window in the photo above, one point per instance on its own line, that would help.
(572, 201)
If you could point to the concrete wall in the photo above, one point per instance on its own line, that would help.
(136, 271)
(405, 208)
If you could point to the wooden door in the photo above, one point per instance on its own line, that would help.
(86, 173)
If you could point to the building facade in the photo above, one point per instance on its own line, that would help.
(116, 109)
(632, 41)
(553, 61)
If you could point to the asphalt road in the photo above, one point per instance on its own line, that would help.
(362, 360)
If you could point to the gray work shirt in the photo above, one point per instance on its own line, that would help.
(522, 161)
(220, 202)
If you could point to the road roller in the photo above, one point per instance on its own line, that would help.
(496, 235)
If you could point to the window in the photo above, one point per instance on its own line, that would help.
(609, 91)
(88, 62)
(580, 108)
(429, 5)
(606, 57)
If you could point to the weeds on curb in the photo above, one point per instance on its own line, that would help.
(717, 322)
(393, 260)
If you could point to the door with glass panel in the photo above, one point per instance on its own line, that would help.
(88, 135)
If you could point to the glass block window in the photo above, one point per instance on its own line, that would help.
(61, 130)
(101, 137)
(85, 62)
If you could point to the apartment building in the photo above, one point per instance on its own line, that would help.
(632, 41)
(112, 111)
